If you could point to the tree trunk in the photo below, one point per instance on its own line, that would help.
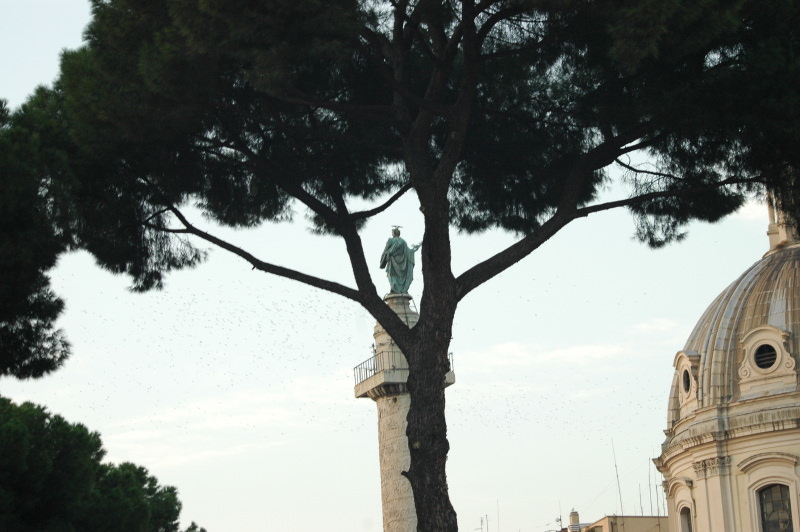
(427, 428)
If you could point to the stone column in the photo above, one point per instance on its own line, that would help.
(383, 379)
(397, 498)
(392, 400)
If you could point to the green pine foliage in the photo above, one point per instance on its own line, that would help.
(52, 480)
(248, 108)
(30, 242)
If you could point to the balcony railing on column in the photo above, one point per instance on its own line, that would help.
(382, 361)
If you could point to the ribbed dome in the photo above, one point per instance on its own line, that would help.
(766, 294)
(744, 343)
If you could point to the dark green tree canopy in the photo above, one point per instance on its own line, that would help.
(508, 111)
(30, 241)
(52, 480)
(47, 467)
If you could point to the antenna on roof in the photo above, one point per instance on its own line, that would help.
(616, 472)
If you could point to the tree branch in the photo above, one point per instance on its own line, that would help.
(330, 286)
(483, 271)
(355, 250)
(635, 200)
(360, 215)
(645, 172)
(381, 114)
(366, 296)
(495, 18)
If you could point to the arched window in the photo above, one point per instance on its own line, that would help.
(775, 508)
(686, 520)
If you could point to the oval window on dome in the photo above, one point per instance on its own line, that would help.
(765, 356)
(687, 381)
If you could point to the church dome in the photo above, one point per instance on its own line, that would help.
(732, 449)
(743, 343)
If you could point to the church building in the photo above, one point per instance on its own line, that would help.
(732, 449)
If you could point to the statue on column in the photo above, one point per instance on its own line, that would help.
(398, 260)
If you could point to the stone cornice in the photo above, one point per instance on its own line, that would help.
(728, 427)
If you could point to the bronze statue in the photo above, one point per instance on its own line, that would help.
(398, 259)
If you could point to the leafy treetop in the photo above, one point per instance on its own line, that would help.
(52, 478)
(498, 113)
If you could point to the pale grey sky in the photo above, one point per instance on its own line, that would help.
(237, 387)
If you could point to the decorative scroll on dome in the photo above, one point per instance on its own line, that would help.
(767, 367)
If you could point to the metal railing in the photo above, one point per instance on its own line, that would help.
(383, 361)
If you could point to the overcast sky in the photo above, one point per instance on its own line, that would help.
(237, 387)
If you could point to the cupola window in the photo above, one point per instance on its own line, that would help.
(684, 384)
(767, 367)
(765, 356)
